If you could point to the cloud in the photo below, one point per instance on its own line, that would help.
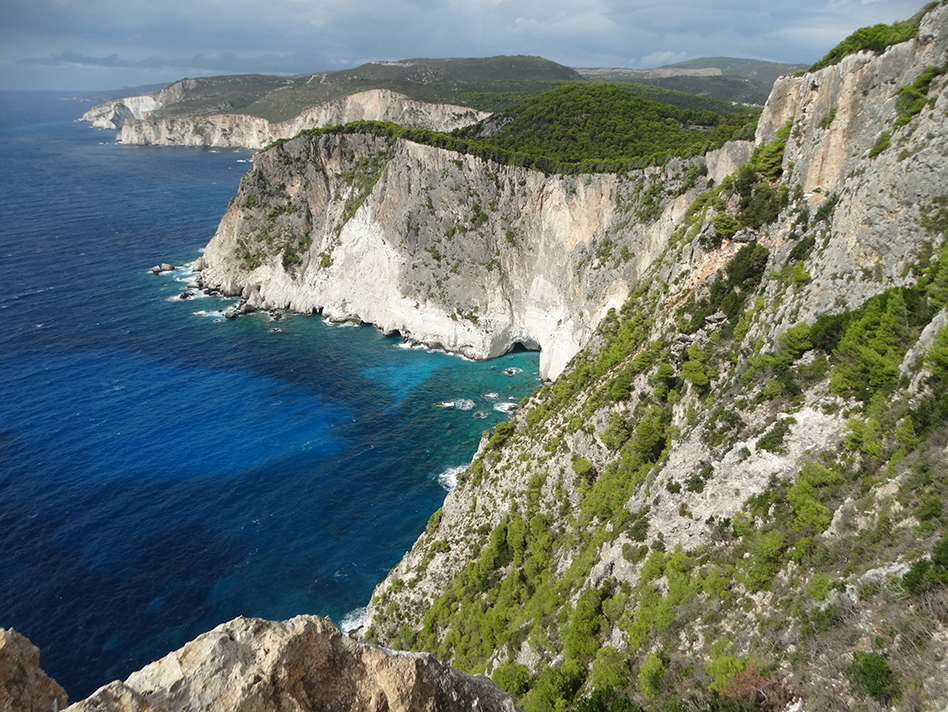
(194, 37)
(224, 62)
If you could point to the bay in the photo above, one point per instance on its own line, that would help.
(162, 469)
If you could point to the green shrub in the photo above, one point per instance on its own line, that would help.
(766, 552)
(725, 225)
(875, 38)
(501, 433)
(871, 674)
(773, 439)
(513, 678)
(722, 668)
(610, 668)
(802, 248)
(651, 674)
(910, 99)
(882, 143)
(746, 269)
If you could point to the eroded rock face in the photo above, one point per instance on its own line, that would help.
(24, 687)
(303, 664)
(243, 130)
(447, 249)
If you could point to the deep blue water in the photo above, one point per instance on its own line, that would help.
(163, 470)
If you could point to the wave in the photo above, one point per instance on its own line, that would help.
(352, 620)
(215, 313)
(505, 407)
(491, 396)
(464, 404)
(449, 478)
(512, 371)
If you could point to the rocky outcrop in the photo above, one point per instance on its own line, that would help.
(446, 249)
(244, 130)
(113, 114)
(24, 687)
(304, 664)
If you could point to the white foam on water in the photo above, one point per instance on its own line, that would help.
(464, 404)
(352, 620)
(491, 396)
(512, 371)
(481, 414)
(449, 478)
(216, 313)
(505, 407)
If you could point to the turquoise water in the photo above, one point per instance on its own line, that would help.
(162, 469)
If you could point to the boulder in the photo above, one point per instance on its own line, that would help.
(302, 664)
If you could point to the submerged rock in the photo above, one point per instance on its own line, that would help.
(305, 663)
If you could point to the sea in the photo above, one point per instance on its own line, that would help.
(164, 469)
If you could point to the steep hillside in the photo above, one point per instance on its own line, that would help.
(448, 249)
(736, 493)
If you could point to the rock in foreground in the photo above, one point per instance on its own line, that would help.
(23, 685)
(301, 664)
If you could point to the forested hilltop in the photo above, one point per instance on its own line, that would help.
(735, 496)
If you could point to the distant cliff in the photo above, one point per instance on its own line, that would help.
(133, 118)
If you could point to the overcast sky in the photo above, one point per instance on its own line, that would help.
(86, 45)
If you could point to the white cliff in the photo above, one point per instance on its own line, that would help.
(248, 131)
(448, 250)
(113, 114)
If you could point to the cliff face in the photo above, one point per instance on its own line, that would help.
(448, 250)
(712, 499)
(113, 114)
(242, 130)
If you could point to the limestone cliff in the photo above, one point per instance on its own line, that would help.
(244, 130)
(24, 687)
(714, 500)
(448, 250)
(113, 114)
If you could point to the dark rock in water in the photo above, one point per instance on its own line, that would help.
(185, 295)
(230, 314)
